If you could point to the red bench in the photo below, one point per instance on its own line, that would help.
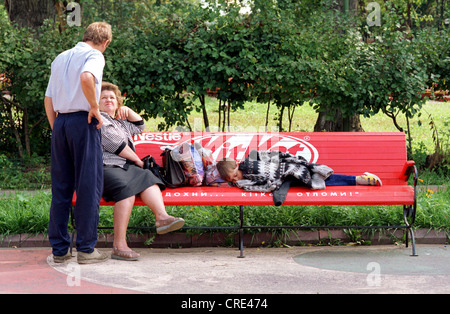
(383, 154)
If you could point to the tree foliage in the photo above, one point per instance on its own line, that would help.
(166, 56)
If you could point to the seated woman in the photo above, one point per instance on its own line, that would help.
(124, 177)
(273, 171)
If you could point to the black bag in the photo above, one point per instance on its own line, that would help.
(150, 164)
(173, 171)
(171, 174)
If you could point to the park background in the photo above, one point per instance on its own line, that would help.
(287, 65)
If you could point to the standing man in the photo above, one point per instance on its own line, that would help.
(71, 105)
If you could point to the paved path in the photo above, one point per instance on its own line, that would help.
(372, 269)
(26, 271)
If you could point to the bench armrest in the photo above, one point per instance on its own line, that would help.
(408, 168)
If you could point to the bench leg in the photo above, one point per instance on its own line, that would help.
(409, 215)
(241, 231)
(413, 241)
(72, 239)
(74, 231)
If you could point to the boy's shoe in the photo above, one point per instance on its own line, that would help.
(63, 258)
(90, 258)
(368, 178)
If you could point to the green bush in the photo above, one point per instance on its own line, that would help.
(25, 59)
(34, 173)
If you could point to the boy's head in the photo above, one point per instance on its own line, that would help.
(228, 170)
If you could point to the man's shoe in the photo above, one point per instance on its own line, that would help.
(90, 258)
(63, 258)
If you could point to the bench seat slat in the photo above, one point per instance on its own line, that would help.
(356, 195)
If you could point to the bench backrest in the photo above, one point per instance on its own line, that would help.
(383, 154)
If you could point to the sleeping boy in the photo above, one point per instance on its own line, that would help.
(267, 171)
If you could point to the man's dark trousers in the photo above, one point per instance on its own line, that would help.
(76, 165)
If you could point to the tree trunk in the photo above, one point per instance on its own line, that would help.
(352, 6)
(205, 113)
(339, 123)
(30, 13)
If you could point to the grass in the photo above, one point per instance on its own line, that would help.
(28, 213)
(24, 212)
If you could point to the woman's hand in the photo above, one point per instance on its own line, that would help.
(139, 163)
(123, 112)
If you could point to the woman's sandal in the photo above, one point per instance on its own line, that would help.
(124, 255)
(168, 225)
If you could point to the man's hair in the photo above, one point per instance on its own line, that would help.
(114, 88)
(225, 167)
(98, 32)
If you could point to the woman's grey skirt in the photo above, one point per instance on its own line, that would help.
(120, 183)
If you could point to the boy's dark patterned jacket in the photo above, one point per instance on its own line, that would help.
(265, 171)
